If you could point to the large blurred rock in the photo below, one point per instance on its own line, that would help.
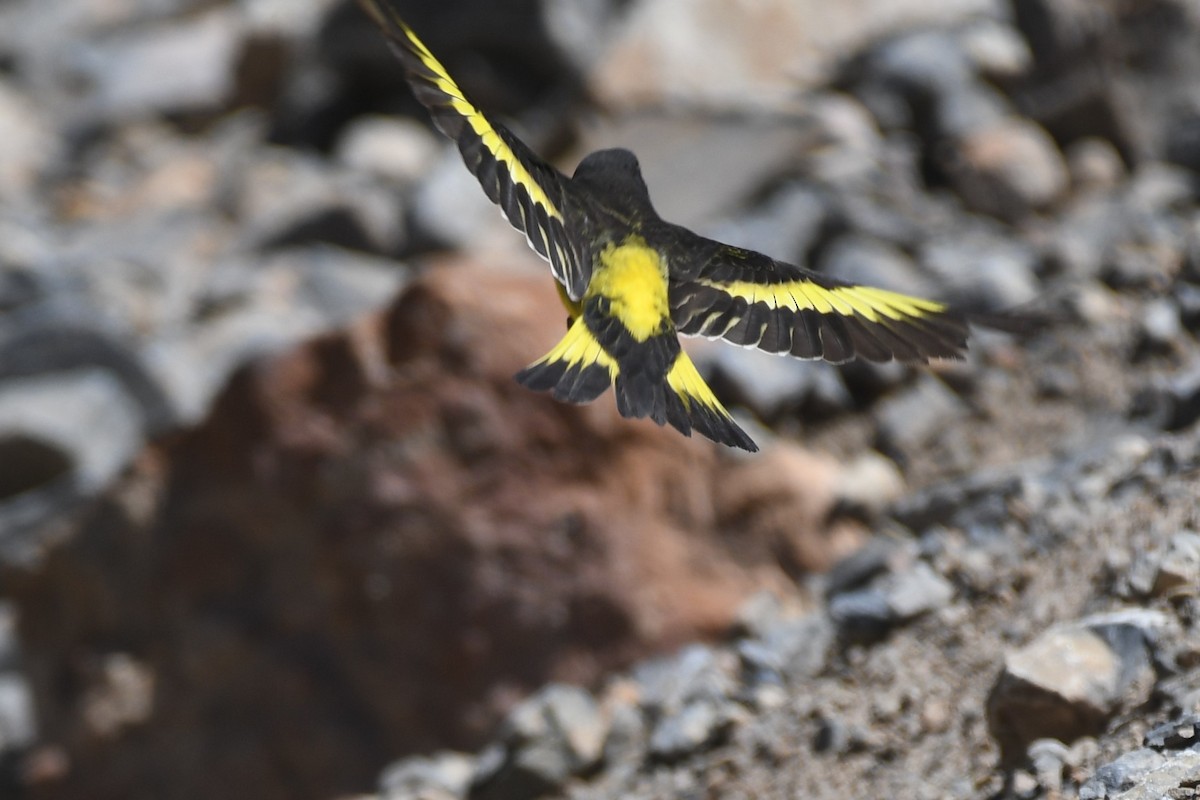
(338, 567)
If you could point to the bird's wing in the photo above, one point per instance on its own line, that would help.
(533, 195)
(750, 299)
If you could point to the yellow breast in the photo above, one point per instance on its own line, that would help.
(633, 277)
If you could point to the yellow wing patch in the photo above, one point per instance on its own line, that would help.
(866, 301)
(534, 196)
(633, 278)
(478, 122)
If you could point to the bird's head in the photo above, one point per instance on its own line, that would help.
(614, 173)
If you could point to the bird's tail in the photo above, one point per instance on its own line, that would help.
(691, 405)
(578, 370)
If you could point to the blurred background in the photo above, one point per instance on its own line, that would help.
(275, 521)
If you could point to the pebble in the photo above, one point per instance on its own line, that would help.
(395, 149)
(169, 68)
(442, 776)
(802, 646)
(1178, 734)
(1179, 566)
(1065, 684)
(1160, 328)
(910, 418)
(1120, 774)
(996, 49)
(1008, 170)
(981, 269)
(697, 725)
(556, 733)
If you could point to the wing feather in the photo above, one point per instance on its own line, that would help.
(534, 196)
(750, 299)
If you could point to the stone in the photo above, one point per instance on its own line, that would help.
(1179, 566)
(996, 49)
(84, 414)
(1064, 684)
(1177, 734)
(870, 482)
(862, 615)
(556, 733)
(697, 725)
(785, 226)
(399, 150)
(981, 269)
(29, 143)
(1160, 327)
(802, 647)
(1172, 402)
(441, 776)
(1094, 164)
(1009, 170)
(176, 67)
(767, 384)
(911, 417)
(917, 591)
(1121, 774)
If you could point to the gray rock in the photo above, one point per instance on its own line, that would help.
(1178, 734)
(1174, 777)
(18, 720)
(785, 226)
(1008, 169)
(917, 591)
(876, 557)
(697, 725)
(1160, 327)
(910, 418)
(922, 66)
(996, 49)
(442, 776)
(1179, 567)
(29, 143)
(85, 414)
(771, 385)
(981, 269)
(801, 646)
(557, 733)
(968, 115)
(1121, 774)
(287, 199)
(1094, 164)
(1063, 685)
(697, 672)
(1170, 403)
(395, 149)
(172, 67)
(862, 615)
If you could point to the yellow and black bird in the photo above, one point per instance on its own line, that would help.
(632, 281)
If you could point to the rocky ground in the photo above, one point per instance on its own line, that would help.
(275, 521)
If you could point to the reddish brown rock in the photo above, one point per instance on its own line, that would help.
(379, 541)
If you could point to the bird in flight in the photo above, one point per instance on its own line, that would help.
(632, 282)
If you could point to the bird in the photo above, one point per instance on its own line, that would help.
(632, 282)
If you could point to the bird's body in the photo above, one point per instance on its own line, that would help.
(632, 282)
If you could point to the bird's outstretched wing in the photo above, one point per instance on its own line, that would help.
(750, 299)
(533, 195)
